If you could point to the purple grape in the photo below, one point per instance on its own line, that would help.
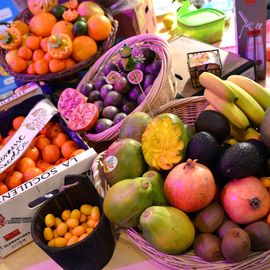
(140, 66)
(148, 80)
(113, 98)
(110, 112)
(119, 117)
(148, 89)
(134, 93)
(123, 74)
(149, 55)
(101, 81)
(100, 105)
(129, 107)
(94, 96)
(86, 89)
(109, 67)
(102, 124)
(121, 85)
(140, 98)
(105, 89)
(155, 67)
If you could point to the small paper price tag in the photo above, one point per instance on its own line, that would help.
(37, 118)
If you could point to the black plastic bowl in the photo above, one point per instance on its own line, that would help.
(94, 251)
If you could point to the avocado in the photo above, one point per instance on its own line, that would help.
(215, 123)
(204, 147)
(240, 160)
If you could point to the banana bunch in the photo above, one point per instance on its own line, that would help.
(242, 100)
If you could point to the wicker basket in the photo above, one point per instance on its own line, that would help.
(163, 89)
(104, 46)
(187, 109)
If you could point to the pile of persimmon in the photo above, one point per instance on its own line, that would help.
(56, 38)
(50, 147)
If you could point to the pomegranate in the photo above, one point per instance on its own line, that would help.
(245, 200)
(190, 186)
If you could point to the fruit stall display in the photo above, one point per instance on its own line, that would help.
(198, 192)
(49, 40)
(134, 75)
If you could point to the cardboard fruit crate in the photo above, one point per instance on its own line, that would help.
(18, 205)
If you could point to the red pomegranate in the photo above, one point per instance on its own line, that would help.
(245, 200)
(190, 186)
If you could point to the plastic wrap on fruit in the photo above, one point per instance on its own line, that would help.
(126, 58)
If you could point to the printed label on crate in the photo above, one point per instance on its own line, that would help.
(23, 91)
(37, 118)
(42, 177)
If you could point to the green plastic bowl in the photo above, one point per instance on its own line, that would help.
(205, 24)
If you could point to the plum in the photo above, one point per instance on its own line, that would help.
(119, 117)
(100, 105)
(134, 93)
(113, 98)
(140, 66)
(155, 67)
(141, 98)
(102, 124)
(109, 67)
(121, 85)
(129, 107)
(148, 80)
(110, 112)
(105, 89)
(86, 89)
(101, 81)
(94, 96)
(149, 55)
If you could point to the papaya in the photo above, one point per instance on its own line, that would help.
(167, 229)
(126, 200)
(157, 182)
(123, 160)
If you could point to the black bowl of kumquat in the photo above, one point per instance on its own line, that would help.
(72, 229)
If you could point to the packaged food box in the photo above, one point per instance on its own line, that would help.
(18, 205)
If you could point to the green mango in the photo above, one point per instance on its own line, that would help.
(157, 182)
(167, 229)
(126, 200)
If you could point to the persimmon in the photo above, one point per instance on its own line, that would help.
(31, 172)
(68, 148)
(21, 26)
(17, 121)
(44, 44)
(69, 62)
(41, 142)
(3, 188)
(47, 57)
(14, 179)
(51, 153)
(56, 65)
(41, 66)
(38, 54)
(31, 69)
(32, 152)
(18, 64)
(10, 55)
(32, 42)
(25, 53)
(54, 130)
(43, 165)
(25, 163)
(59, 139)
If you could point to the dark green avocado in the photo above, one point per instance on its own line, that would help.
(240, 160)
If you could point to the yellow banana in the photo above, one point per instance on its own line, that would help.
(244, 134)
(247, 103)
(228, 109)
(216, 85)
(258, 92)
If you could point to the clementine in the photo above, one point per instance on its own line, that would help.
(51, 153)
